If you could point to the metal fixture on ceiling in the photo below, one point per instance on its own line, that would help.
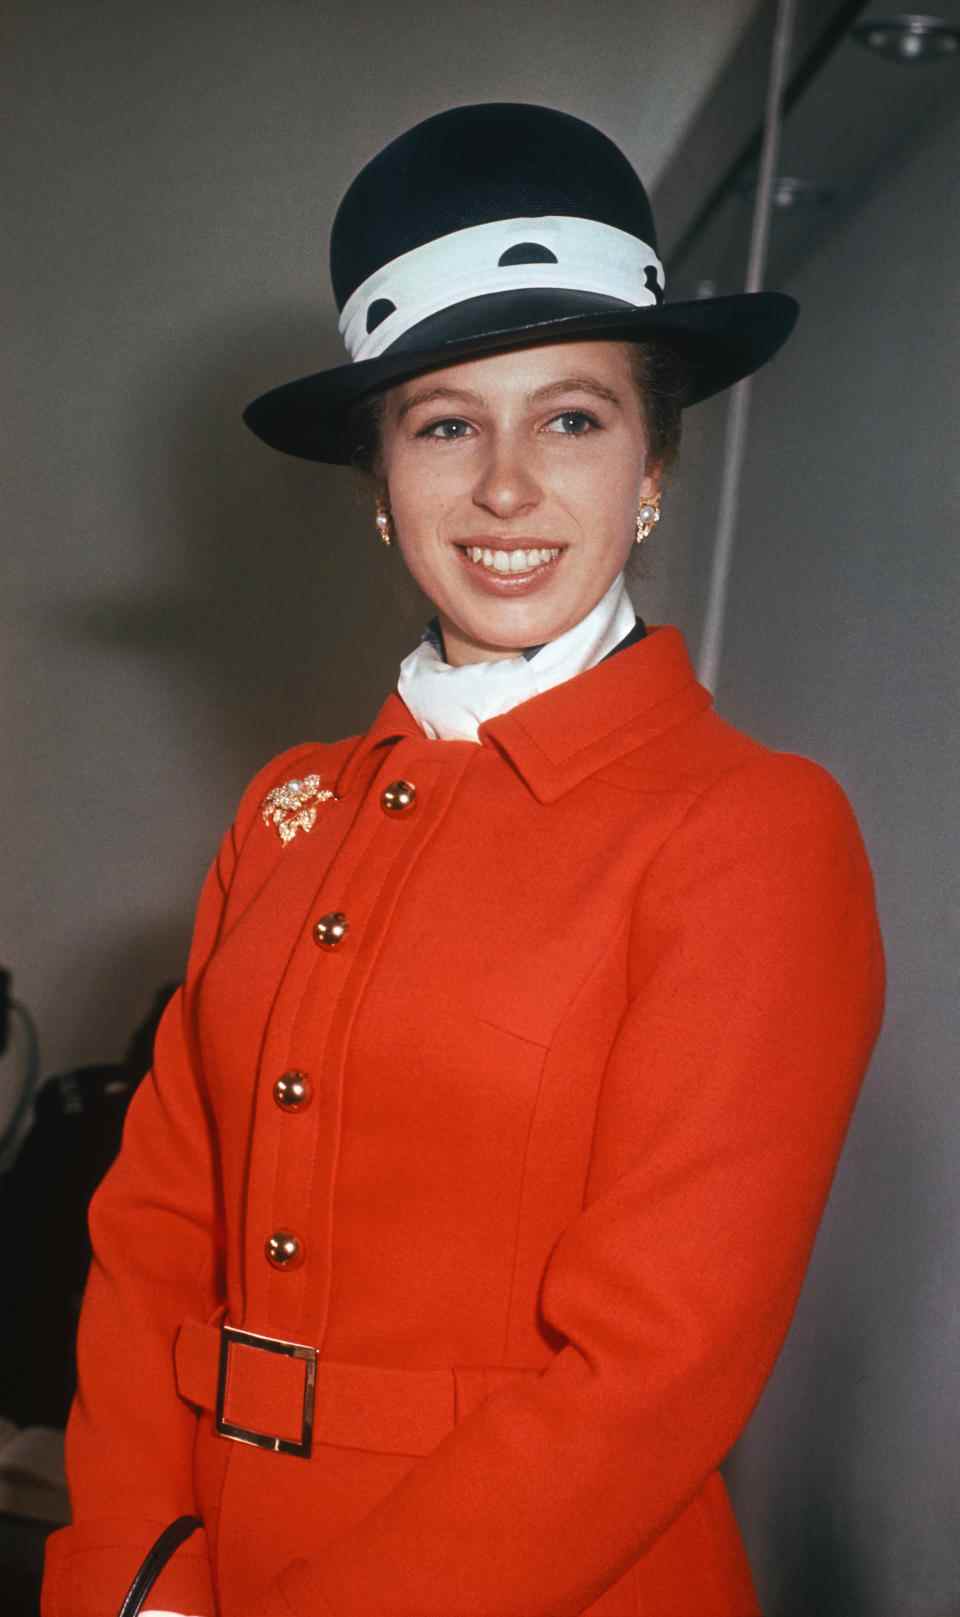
(789, 191)
(909, 38)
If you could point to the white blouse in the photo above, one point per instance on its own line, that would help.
(450, 703)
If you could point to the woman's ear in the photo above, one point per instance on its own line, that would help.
(652, 483)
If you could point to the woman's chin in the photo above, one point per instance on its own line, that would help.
(474, 640)
(498, 614)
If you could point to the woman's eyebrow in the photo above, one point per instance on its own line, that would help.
(575, 384)
(462, 395)
(428, 395)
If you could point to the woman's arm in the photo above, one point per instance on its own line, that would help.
(155, 1225)
(756, 989)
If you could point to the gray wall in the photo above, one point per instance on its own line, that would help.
(844, 643)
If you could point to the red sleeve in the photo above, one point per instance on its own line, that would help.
(757, 983)
(156, 1259)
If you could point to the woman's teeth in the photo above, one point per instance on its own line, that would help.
(511, 561)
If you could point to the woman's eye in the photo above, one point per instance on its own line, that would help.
(573, 423)
(445, 430)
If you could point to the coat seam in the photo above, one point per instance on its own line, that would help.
(521, 1201)
(692, 805)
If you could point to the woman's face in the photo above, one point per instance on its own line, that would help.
(493, 462)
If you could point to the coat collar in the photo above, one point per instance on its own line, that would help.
(556, 740)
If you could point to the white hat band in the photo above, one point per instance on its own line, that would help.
(573, 255)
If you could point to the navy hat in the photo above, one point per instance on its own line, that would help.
(491, 227)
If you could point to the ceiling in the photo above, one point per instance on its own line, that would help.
(853, 115)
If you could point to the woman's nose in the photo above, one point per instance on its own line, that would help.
(506, 484)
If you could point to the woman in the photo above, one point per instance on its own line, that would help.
(462, 1217)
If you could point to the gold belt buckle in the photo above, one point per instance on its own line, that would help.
(291, 1350)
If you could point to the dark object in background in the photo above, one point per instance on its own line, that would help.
(43, 1205)
(22, 1544)
(4, 1008)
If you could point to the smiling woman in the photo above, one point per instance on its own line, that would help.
(462, 1216)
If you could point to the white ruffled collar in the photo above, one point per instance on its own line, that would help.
(451, 703)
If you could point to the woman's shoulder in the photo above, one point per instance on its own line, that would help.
(713, 778)
(741, 798)
(697, 751)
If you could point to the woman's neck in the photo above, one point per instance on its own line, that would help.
(457, 648)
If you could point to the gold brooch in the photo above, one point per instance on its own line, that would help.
(292, 807)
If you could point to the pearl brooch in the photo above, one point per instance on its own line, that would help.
(292, 807)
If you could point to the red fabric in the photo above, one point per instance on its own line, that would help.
(582, 1068)
(364, 1406)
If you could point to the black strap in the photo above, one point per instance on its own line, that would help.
(638, 632)
(154, 1562)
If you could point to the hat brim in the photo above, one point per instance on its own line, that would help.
(721, 340)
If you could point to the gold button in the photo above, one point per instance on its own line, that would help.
(331, 930)
(284, 1250)
(293, 1091)
(399, 797)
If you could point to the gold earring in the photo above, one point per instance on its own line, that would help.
(647, 518)
(383, 522)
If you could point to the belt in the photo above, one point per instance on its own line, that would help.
(281, 1395)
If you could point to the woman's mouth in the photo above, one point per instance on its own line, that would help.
(519, 564)
(511, 570)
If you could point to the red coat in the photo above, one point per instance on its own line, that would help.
(578, 1071)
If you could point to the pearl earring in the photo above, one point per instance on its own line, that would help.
(383, 522)
(647, 518)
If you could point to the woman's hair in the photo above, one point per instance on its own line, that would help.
(662, 376)
(659, 371)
